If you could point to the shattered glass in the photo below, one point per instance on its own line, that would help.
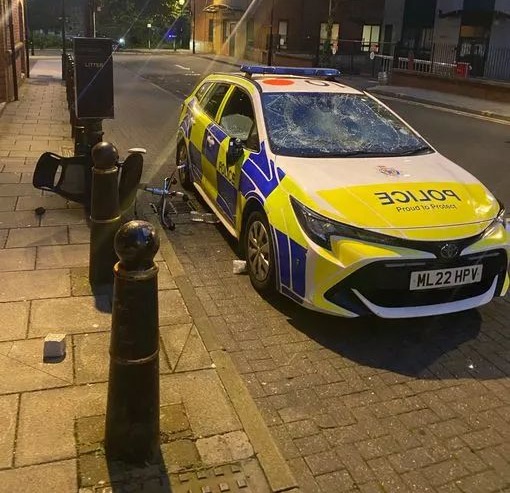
(335, 125)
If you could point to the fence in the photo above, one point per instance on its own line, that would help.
(467, 59)
(464, 60)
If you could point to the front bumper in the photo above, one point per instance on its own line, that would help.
(382, 287)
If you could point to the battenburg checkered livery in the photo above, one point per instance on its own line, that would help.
(336, 201)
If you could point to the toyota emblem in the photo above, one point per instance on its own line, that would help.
(449, 250)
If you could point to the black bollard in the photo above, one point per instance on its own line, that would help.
(105, 215)
(132, 411)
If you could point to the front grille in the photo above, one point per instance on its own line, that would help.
(386, 283)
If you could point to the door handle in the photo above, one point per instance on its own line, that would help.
(210, 141)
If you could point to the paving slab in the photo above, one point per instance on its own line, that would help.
(172, 309)
(7, 203)
(79, 314)
(48, 202)
(17, 259)
(33, 285)
(46, 423)
(14, 320)
(63, 217)
(8, 417)
(220, 449)
(174, 338)
(22, 367)
(165, 279)
(207, 407)
(43, 478)
(92, 358)
(19, 189)
(55, 256)
(3, 237)
(192, 353)
(18, 219)
(10, 177)
(79, 234)
(25, 237)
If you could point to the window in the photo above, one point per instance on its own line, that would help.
(202, 90)
(213, 99)
(326, 125)
(335, 33)
(238, 119)
(370, 36)
(225, 31)
(282, 34)
(211, 31)
(250, 33)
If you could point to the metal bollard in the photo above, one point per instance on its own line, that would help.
(104, 213)
(132, 411)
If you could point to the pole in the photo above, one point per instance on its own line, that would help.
(64, 54)
(104, 213)
(89, 23)
(13, 54)
(132, 410)
(194, 21)
(27, 38)
(270, 53)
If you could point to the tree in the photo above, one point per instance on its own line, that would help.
(129, 18)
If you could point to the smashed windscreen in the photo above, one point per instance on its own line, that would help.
(335, 125)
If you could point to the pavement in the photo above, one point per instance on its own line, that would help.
(253, 392)
(52, 413)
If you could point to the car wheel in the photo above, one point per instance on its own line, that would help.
(259, 251)
(184, 171)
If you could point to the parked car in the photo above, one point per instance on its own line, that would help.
(337, 202)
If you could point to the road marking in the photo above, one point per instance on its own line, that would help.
(447, 110)
(183, 68)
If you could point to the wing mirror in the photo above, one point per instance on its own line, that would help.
(235, 151)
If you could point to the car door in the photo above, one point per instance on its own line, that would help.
(205, 140)
(237, 120)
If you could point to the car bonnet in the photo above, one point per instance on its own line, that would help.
(403, 193)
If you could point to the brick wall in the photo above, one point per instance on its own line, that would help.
(6, 73)
(476, 88)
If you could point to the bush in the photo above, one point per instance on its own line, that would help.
(42, 41)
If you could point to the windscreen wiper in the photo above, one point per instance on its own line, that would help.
(416, 150)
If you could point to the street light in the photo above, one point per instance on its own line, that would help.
(193, 19)
(149, 25)
(64, 54)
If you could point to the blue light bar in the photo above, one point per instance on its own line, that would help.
(305, 72)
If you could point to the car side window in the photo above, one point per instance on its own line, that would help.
(213, 98)
(202, 90)
(238, 119)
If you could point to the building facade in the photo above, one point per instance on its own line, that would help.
(13, 65)
(290, 31)
(471, 31)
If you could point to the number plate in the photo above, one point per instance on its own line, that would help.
(430, 279)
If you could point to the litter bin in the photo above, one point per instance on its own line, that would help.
(462, 69)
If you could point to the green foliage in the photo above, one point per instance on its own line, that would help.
(129, 19)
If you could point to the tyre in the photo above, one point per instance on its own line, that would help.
(184, 172)
(259, 252)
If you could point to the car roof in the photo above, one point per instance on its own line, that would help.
(287, 83)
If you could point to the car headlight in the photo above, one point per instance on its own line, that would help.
(320, 229)
(497, 221)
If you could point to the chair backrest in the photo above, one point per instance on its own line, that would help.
(69, 177)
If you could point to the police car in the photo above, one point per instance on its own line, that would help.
(336, 202)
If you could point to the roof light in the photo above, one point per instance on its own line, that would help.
(306, 72)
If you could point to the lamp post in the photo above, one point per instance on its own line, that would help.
(270, 50)
(193, 22)
(64, 53)
(149, 26)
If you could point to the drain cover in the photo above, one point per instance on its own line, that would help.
(229, 478)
